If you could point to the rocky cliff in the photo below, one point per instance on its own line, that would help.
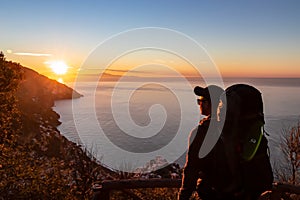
(36, 161)
(36, 95)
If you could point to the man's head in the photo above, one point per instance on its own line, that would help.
(208, 98)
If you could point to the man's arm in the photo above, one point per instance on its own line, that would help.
(190, 171)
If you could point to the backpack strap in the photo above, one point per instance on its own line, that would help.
(252, 142)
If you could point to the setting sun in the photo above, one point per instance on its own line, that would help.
(60, 80)
(58, 67)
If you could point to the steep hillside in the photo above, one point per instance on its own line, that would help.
(36, 95)
(36, 161)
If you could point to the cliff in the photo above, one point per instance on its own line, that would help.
(36, 95)
(36, 85)
(36, 161)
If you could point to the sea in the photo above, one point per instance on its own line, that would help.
(129, 125)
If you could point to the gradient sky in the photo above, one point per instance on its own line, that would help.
(244, 38)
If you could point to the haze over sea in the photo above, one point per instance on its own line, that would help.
(155, 119)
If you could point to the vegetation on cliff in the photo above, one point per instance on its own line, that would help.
(36, 161)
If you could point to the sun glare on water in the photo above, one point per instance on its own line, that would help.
(58, 67)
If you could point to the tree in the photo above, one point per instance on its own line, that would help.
(289, 171)
(9, 114)
(2, 58)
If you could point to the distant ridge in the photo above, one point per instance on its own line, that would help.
(33, 83)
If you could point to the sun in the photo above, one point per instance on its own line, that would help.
(60, 80)
(58, 67)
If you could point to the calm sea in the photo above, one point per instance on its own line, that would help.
(125, 125)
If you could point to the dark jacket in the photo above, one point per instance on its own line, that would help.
(212, 169)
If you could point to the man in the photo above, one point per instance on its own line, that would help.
(209, 169)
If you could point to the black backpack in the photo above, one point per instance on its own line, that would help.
(254, 163)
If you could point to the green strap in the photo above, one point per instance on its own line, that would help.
(252, 143)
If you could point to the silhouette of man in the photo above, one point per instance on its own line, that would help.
(213, 176)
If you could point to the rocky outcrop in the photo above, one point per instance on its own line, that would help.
(39, 87)
(36, 95)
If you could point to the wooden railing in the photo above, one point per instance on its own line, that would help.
(103, 189)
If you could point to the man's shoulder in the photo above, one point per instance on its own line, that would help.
(198, 132)
(205, 121)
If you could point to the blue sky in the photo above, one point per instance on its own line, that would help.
(237, 34)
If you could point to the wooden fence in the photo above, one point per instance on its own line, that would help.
(103, 189)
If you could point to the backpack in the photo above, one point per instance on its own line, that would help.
(245, 106)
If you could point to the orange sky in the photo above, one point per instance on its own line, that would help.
(244, 39)
(162, 64)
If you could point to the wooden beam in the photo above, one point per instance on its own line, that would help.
(103, 189)
(289, 188)
(138, 183)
